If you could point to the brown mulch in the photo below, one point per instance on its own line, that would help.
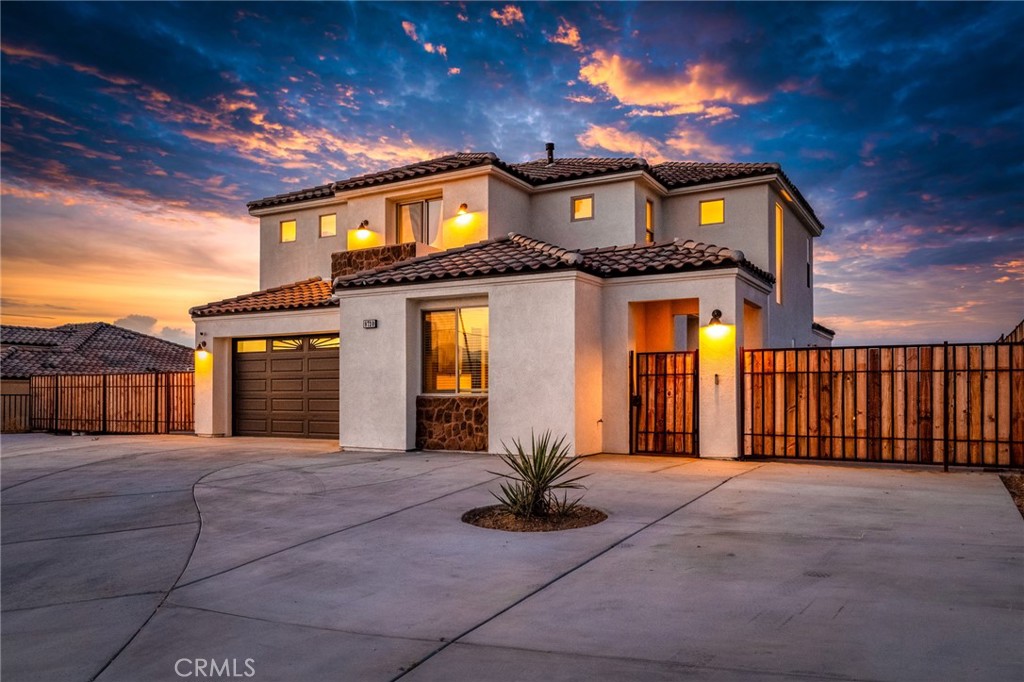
(1015, 484)
(497, 518)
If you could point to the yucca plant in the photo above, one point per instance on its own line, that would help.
(529, 491)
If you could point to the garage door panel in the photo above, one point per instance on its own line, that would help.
(250, 404)
(286, 365)
(287, 393)
(251, 366)
(243, 386)
(330, 364)
(286, 385)
(325, 385)
(287, 404)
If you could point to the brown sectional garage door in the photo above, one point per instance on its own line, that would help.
(286, 386)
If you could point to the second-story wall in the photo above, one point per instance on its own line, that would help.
(614, 220)
(309, 255)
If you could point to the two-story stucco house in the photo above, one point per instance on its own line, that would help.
(462, 301)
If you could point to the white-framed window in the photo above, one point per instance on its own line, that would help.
(329, 225)
(581, 207)
(456, 348)
(419, 221)
(712, 212)
(287, 231)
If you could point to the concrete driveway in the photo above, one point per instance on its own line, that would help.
(170, 558)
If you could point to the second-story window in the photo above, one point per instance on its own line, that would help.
(582, 207)
(780, 240)
(712, 212)
(329, 225)
(419, 221)
(649, 222)
(287, 231)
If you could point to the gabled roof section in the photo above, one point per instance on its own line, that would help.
(309, 293)
(541, 172)
(674, 174)
(515, 254)
(88, 348)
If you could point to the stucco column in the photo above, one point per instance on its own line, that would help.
(720, 376)
(212, 378)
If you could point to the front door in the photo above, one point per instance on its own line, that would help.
(664, 403)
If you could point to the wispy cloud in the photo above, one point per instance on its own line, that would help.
(509, 15)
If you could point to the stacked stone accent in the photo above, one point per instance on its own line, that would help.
(351, 262)
(457, 422)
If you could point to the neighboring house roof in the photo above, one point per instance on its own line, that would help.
(88, 348)
(516, 254)
(309, 293)
(671, 174)
(1015, 336)
(822, 329)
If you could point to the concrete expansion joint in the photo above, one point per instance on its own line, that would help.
(585, 562)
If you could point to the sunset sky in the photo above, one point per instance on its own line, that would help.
(133, 134)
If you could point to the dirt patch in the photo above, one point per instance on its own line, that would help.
(497, 518)
(1015, 484)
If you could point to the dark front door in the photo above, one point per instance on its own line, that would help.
(663, 403)
(286, 386)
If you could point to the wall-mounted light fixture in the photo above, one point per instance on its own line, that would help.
(716, 328)
(364, 227)
(463, 216)
(201, 352)
(463, 209)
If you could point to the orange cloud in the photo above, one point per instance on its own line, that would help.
(614, 139)
(701, 89)
(567, 34)
(695, 145)
(454, 71)
(410, 30)
(510, 14)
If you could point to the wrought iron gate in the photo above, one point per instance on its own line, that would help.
(663, 403)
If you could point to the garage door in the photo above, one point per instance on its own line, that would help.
(286, 386)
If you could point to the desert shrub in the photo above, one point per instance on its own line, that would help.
(530, 490)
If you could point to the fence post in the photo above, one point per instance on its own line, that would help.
(946, 408)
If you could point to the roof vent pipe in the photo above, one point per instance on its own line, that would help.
(549, 147)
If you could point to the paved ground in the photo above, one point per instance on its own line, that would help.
(123, 557)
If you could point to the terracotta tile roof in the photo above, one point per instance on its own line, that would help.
(671, 174)
(309, 293)
(89, 348)
(540, 172)
(516, 254)
(684, 173)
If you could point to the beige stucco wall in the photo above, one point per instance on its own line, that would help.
(213, 374)
(509, 208)
(746, 220)
(789, 324)
(614, 222)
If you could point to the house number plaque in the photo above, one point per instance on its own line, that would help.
(369, 324)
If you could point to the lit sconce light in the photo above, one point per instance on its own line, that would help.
(364, 227)
(716, 328)
(463, 209)
(463, 216)
(201, 352)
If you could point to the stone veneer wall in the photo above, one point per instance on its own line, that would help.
(351, 262)
(457, 422)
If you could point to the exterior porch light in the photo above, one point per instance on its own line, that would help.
(463, 209)
(201, 351)
(364, 227)
(463, 216)
(716, 328)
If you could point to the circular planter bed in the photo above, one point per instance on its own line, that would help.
(497, 518)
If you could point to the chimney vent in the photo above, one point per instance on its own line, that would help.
(549, 147)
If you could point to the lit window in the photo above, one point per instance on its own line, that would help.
(583, 207)
(287, 231)
(286, 344)
(328, 225)
(779, 241)
(251, 345)
(324, 342)
(419, 221)
(649, 224)
(712, 212)
(455, 350)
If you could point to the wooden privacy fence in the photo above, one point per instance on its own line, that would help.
(113, 403)
(664, 403)
(951, 404)
(15, 411)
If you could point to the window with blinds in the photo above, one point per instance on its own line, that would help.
(455, 350)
